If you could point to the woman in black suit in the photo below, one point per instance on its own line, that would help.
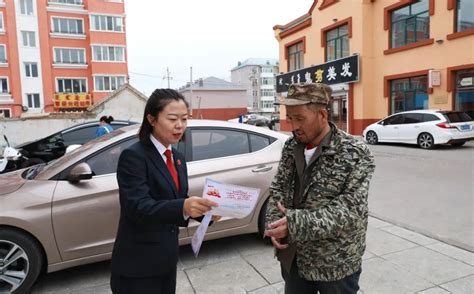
(154, 202)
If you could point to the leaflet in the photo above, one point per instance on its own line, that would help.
(234, 201)
(198, 236)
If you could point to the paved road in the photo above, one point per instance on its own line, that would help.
(396, 261)
(430, 191)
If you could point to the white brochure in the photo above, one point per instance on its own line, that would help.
(198, 236)
(234, 201)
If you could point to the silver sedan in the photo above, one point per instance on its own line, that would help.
(65, 213)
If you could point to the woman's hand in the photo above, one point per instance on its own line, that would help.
(216, 218)
(196, 206)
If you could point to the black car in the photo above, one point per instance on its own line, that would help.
(54, 146)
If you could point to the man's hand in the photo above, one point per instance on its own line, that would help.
(278, 229)
(196, 206)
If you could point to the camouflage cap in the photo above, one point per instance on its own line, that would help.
(300, 94)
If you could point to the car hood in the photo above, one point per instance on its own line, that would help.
(10, 182)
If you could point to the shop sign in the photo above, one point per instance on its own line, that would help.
(344, 70)
(65, 101)
(434, 78)
(466, 82)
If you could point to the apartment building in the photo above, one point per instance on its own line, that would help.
(382, 56)
(60, 55)
(257, 75)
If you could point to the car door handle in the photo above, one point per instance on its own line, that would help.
(261, 168)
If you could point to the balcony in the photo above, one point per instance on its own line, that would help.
(68, 6)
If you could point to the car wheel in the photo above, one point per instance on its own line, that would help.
(425, 141)
(31, 161)
(458, 144)
(371, 138)
(21, 261)
(261, 222)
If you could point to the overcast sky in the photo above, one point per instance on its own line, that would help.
(209, 35)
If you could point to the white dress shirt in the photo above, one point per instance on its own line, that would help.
(161, 149)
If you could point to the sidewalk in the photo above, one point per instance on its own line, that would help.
(396, 261)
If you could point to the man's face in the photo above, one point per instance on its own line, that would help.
(307, 122)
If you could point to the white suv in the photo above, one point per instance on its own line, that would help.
(423, 127)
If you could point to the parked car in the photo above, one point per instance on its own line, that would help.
(426, 128)
(65, 213)
(54, 145)
(257, 120)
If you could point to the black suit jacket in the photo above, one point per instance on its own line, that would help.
(151, 209)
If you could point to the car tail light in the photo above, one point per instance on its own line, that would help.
(445, 125)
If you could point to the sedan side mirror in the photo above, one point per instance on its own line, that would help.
(80, 172)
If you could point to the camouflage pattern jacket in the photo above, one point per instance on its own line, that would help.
(330, 223)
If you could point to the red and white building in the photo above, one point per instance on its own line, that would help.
(58, 55)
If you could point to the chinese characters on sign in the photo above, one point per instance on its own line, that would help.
(344, 70)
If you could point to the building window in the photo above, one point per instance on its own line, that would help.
(107, 23)
(108, 83)
(295, 56)
(464, 100)
(267, 69)
(267, 104)
(267, 93)
(337, 43)
(5, 113)
(66, 85)
(4, 86)
(69, 56)
(410, 24)
(70, 2)
(108, 53)
(2, 25)
(255, 93)
(464, 15)
(71, 26)
(3, 53)
(26, 7)
(409, 94)
(268, 81)
(33, 100)
(28, 38)
(31, 69)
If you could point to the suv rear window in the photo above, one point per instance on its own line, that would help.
(455, 117)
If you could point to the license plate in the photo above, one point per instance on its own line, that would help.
(465, 127)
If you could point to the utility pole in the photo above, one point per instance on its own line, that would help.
(168, 77)
(191, 91)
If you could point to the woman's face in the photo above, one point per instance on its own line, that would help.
(170, 123)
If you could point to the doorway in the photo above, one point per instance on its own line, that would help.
(339, 111)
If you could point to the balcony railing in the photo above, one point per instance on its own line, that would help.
(67, 2)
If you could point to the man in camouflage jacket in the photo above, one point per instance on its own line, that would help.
(317, 211)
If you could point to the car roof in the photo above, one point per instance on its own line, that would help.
(420, 111)
(93, 123)
(128, 131)
(75, 127)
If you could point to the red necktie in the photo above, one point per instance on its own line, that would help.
(171, 168)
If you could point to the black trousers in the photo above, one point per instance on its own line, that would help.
(165, 284)
(294, 284)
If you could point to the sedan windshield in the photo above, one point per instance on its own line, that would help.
(34, 171)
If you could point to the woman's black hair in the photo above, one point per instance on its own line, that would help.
(107, 119)
(155, 104)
